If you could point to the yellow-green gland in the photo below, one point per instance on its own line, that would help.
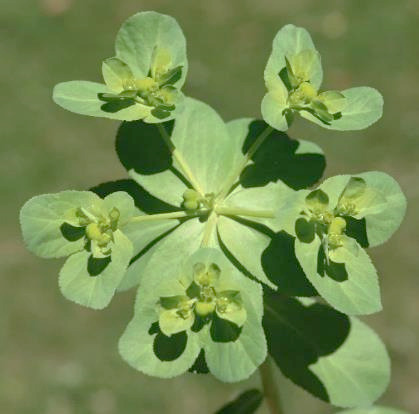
(347, 208)
(146, 85)
(95, 233)
(337, 226)
(302, 95)
(203, 308)
(184, 312)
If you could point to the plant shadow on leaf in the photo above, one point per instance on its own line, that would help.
(305, 230)
(140, 147)
(357, 229)
(167, 348)
(299, 335)
(246, 403)
(72, 233)
(200, 366)
(223, 330)
(277, 158)
(95, 266)
(336, 271)
(282, 267)
(142, 199)
(117, 105)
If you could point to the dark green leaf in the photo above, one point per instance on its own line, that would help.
(246, 403)
(336, 358)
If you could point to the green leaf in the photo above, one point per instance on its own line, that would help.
(149, 38)
(283, 269)
(364, 106)
(170, 275)
(317, 200)
(298, 163)
(350, 287)
(374, 410)
(305, 65)
(41, 219)
(382, 223)
(335, 101)
(237, 360)
(125, 205)
(246, 245)
(143, 233)
(289, 209)
(383, 204)
(289, 42)
(182, 242)
(115, 72)
(148, 161)
(246, 403)
(335, 358)
(138, 345)
(264, 198)
(201, 137)
(82, 97)
(274, 108)
(95, 289)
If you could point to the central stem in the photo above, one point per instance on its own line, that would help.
(270, 387)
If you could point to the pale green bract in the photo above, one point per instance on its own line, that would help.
(142, 81)
(87, 228)
(213, 153)
(167, 301)
(293, 76)
(334, 357)
(331, 222)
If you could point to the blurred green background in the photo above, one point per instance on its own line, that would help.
(58, 358)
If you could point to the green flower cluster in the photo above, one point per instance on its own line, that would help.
(219, 227)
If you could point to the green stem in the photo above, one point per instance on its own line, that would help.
(233, 211)
(166, 216)
(253, 148)
(180, 160)
(270, 387)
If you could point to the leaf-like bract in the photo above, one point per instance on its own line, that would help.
(334, 357)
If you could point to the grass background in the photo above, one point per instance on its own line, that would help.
(58, 358)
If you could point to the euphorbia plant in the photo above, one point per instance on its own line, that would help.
(240, 257)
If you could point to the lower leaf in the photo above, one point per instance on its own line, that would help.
(336, 358)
